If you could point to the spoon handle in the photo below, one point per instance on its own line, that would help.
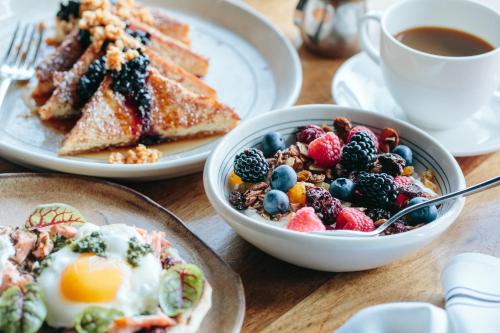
(465, 192)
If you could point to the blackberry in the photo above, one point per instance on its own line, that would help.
(131, 82)
(360, 153)
(251, 165)
(132, 75)
(378, 214)
(84, 39)
(325, 206)
(90, 81)
(237, 200)
(309, 133)
(376, 190)
(69, 11)
(142, 36)
(391, 164)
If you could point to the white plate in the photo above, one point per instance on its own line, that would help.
(253, 67)
(359, 83)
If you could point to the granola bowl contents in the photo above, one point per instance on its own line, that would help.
(319, 167)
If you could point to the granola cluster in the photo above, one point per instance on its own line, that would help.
(104, 21)
(139, 155)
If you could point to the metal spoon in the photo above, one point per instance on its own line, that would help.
(465, 192)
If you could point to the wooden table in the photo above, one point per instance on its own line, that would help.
(285, 298)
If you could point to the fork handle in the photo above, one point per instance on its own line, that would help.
(4, 86)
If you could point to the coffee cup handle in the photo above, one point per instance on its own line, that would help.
(364, 38)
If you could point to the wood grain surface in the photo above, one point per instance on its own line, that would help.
(285, 298)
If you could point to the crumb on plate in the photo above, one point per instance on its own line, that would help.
(139, 155)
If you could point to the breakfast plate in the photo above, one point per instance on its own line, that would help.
(252, 70)
(359, 83)
(105, 204)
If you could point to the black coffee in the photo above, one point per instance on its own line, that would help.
(444, 41)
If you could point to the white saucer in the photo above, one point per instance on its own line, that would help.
(358, 83)
(253, 67)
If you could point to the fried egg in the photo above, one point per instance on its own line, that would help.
(72, 281)
(6, 251)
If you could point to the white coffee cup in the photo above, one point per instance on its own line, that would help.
(436, 92)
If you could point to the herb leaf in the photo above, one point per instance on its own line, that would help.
(181, 288)
(92, 243)
(48, 215)
(95, 319)
(22, 311)
(137, 250)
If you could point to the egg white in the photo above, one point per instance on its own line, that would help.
(137, 294)
(6, 251)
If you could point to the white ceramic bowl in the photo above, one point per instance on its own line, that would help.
(323, 252)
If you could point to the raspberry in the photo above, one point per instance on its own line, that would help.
(377, 190)
(305, 220)
(326, 206)
(353, 219)
(402, 180)
(309, 133)
(326, 150)
(360, 153)
(358, 129)
(237, 200)
(251, 165)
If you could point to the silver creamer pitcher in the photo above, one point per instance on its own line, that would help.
(330, 27)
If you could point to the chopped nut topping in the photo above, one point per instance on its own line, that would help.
(131, 55)
(114, 58)
(144, 15)
(139, 155)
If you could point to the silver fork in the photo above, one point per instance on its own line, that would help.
(19, 61)
(453, 195)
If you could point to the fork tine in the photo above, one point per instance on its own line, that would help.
(18, 56)
(13, 40)
(30, 42)
(39, 42)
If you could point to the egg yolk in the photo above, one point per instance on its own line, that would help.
(91, 279)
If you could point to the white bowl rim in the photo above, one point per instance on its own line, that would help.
(224, 208)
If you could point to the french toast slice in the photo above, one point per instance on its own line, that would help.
(106, 121)
(176, 113)
(61, 60)
(178, 74)
(62, 102)
(173, 50)
(170, 26)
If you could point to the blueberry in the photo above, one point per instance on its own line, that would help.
(342, 188)
(283, 178)
(422, 215)
(275, 202)
(271, 143)
(405, 153)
